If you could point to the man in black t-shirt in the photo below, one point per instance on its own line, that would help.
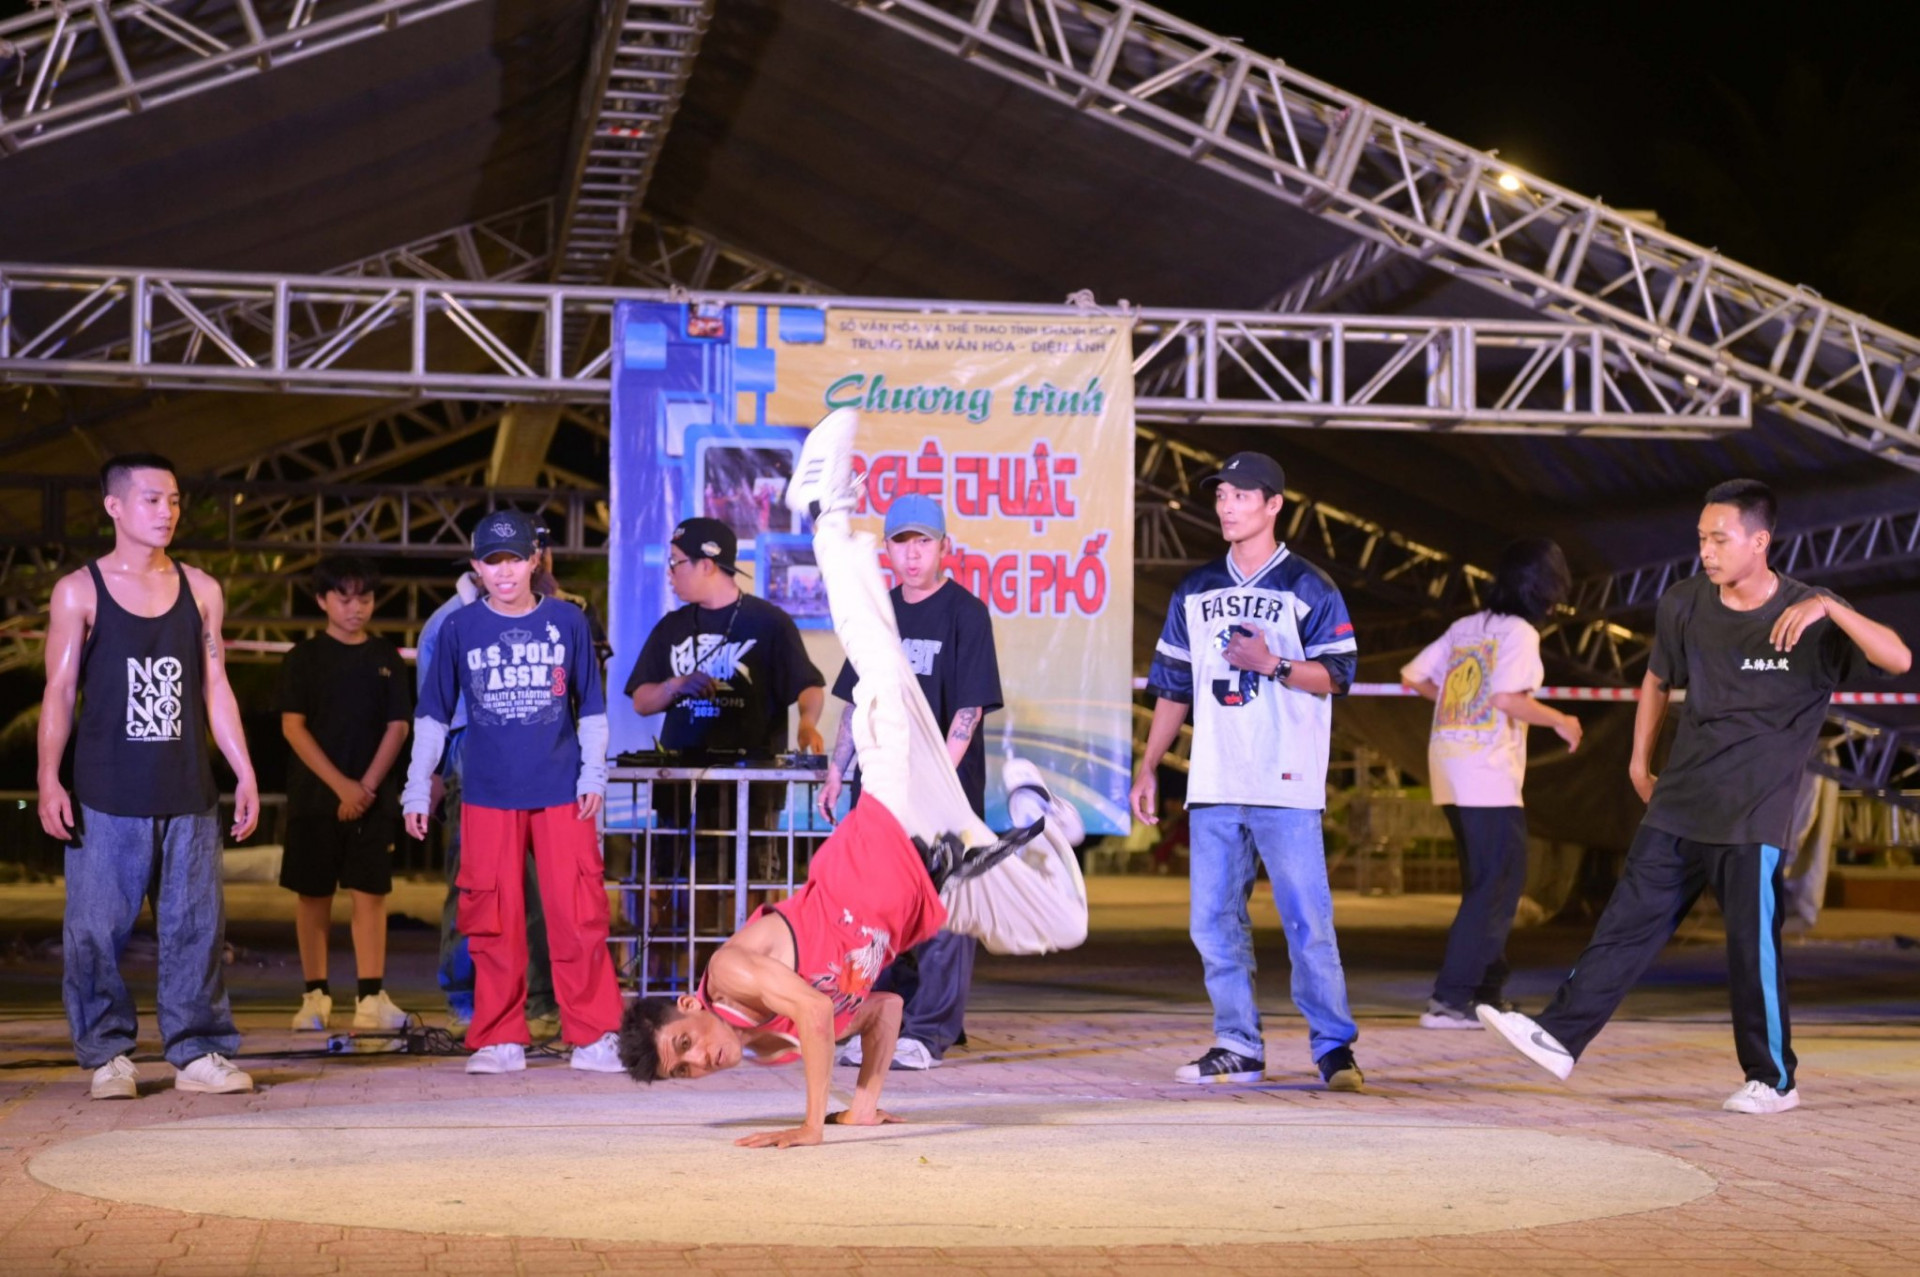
(947, 634)
(345, 704)
(724, 668)
(1758, 655)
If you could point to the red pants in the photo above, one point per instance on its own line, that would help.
(493, 917)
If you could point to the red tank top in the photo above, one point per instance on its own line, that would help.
(866, 900)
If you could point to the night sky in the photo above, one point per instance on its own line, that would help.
(1787, 137)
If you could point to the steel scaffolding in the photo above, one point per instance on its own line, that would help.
(1430, 198)
(416, 338)
(76, 66)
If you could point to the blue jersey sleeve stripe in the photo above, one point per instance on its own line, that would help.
(1344, 645)
(1173, 653)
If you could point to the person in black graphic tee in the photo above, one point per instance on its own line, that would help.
(947, 635)
(1758, 655)
(345, 704)
(135, 638)
(723, 669)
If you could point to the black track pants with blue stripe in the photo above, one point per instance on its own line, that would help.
(1664, 875)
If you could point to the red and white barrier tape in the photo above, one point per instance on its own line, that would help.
(1609, 694)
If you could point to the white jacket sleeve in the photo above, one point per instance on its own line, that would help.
(429, 742)
(592, 733)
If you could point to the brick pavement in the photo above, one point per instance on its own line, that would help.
(1826, 1189)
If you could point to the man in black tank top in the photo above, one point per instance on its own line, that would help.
(136, 638)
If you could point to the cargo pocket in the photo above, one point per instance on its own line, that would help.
(478, 913)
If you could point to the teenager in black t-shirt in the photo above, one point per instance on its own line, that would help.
(345, 704)
(724, 668)
(947, 634)
(1758, 655)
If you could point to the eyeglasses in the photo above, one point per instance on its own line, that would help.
(674, 565)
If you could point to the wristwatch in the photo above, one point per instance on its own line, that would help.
(1282, 670)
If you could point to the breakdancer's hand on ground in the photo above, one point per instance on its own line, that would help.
(793, 1137)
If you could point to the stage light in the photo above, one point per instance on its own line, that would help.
(1508, 182)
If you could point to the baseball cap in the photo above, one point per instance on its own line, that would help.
(702, 538)
(1250, 470)
(507, 530)
(916, 512)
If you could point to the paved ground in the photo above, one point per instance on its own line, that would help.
(1461, 1158)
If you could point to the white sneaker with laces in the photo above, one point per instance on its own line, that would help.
(377, 1011)
(315, 1007)
(912, 1054)
(849, 1053)
(117, 1079)
(598, 1057)
(1758, 1097)
(212, 1075)
(823, 477)
(501, 1057)
(1529, 1039)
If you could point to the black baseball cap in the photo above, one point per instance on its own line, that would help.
(1250, 470)
(507, 530)
(703, 538)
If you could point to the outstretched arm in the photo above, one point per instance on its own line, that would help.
(223, 711)
(878, 1024)
(1877, 642)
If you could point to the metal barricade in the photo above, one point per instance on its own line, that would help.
(692, 852)
(1382, 825)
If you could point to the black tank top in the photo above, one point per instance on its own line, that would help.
(141, 744)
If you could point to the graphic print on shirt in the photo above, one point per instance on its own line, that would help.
(155, 688)
(519, 679)
(719, 660)
(849, 981)
(921, 654)
(1466, 701)
(1239, 687)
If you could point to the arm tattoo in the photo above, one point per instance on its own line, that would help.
(963, 724)
(213, 646)
(843, 743)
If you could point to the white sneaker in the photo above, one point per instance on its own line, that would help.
(823, 477)
(376, 1011)
(1441, 1015)
(315, 1007)
(212, 1075)
(598, 1057)
(1758, 1097)
(118, 1079)
(849, 1053)
(501, 1057)
(912, 1053)
(1529, 1039)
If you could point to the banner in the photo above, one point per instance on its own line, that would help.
(1020, 425)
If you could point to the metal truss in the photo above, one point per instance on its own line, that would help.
(78, 64)
(1459, 210)
(1874, 540)
(368, 445)
(419, 338)
(1479, 376)
(641, 61)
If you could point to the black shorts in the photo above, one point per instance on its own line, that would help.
(324, 853)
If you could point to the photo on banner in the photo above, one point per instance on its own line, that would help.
(1020, 425)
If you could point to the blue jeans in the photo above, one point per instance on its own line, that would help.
(1224, 841)
(935, 984)
(114, 864)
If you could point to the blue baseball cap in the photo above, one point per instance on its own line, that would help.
(507, 530)
(916, 513)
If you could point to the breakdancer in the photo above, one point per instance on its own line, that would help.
(910, 858)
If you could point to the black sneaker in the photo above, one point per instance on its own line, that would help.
(1221, 1065)
(1339, 1072)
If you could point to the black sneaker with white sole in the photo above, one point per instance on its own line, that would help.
(1339, 1072)
(1221, 1065)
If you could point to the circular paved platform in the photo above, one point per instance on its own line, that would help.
(968, 1170)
